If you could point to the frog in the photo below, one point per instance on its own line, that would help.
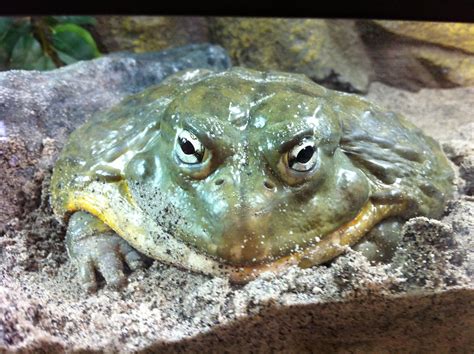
(241, 172)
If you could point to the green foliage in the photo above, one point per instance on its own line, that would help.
(77, 20)
(44, 43)
(73, 42)
(27, 54)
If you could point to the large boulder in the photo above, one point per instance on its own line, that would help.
(343, 54)
(149, 33)
(413, 55)
(446, 34)
(328, 51)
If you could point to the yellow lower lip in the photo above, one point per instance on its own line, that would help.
(144, 234)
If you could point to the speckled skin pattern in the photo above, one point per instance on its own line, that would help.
(241, 172)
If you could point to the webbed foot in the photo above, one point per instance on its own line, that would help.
(94, 247)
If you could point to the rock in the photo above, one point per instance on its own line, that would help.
(36, 105)
(461, 219)
(430, 256)
(50, 104)
(149, 33)
(328, 51)
(23, 166)
(342, 54)
(413, 55)
(450, 35)
(443, 114)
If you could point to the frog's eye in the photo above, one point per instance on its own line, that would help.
(189, 150)
(302, 157)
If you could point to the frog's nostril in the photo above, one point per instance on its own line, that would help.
(219, 182)
(269, 185)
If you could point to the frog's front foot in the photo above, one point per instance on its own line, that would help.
(382, 241)
(93, 246)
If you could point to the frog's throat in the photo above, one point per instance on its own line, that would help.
(149, 238)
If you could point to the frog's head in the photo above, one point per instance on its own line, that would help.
(247, 167)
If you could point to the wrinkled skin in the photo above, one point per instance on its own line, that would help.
(207, 171)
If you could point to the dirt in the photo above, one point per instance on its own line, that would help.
(420, 302)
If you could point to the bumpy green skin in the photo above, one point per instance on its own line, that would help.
(243, 205)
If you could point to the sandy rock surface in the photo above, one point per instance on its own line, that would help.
(420, 302)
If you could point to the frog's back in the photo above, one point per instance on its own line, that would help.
(100, 149)
(401, 161)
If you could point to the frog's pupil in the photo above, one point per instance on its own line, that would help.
(187, 146)
(305, 154)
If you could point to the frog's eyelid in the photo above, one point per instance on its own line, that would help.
(210, 141)
(286, 146)
(202, 137)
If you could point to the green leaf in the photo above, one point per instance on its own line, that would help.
(44, 62)
(27, 54)
(10, 32)
(77, 20)
(4, 56)
(5, 24)
(74, 41)
(13, 33)
(66, 59)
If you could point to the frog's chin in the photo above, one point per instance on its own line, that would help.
(326, 249)
(144, 234)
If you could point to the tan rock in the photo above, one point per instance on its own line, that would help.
(451, 35)
(328, 51)
(149, 33)
(456, 67)
(415, 55)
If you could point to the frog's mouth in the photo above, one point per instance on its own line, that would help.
(329, 247)
(149, 238)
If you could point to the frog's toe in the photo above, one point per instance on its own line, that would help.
(133, 259)
(87, 276)
(95, 248)
(370, 250)
(110, 265)
(382, 241)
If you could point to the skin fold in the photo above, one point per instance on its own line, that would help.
(240, 172)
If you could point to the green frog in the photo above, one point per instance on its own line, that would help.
(241, 172)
